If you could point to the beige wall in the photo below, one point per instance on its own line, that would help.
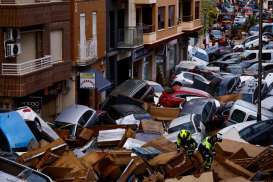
(28, 47)
(56, 45)
(24, 1)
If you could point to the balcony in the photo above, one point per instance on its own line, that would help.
(145, 1)
(21, 79)
(19, 69)
(20, 15)
(193, 25)
(130, 37)
(88, 52)
(187, 18)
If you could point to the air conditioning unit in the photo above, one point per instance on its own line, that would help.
(12, 34)
(12, 50)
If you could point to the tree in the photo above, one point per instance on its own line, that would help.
(209, 13)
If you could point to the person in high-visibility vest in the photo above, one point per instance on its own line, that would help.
(207, 150)
(185, 140)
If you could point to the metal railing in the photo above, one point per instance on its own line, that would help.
(130, 36)
(28, 66)
(88, 50)
(187, 18)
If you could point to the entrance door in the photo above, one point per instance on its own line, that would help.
(123, 70)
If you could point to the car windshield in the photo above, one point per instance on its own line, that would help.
(188, 126)
(254, 28)
(157, 88)
(253, 129)
(201, 56)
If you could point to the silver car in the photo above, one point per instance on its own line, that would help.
(76, 116)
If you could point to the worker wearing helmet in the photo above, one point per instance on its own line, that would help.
(207, 150)
(185, 140)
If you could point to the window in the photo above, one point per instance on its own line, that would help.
(238, 116)
(171, 15)
(254, 129)
(266, 56)
(161, 18)
(197, 10)
(251, 56)
(56, 45)
(85, 118)
(94, 24)
(188, 76)
(251, 118)
(199, 78)
(267, 29)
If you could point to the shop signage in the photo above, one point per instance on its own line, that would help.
(87, 80)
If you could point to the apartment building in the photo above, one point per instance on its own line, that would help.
(147, 38)
(35, 55)
(88, 51)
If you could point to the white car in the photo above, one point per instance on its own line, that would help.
(233, 132)
(187, 78)
(189, 122)
(256, 133)
(239, 20)
(198, 55)
(251, 42)
(30, 116)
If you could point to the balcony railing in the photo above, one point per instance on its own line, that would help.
(88, 51)
(28, 66)
(129, 37)
(187, 18)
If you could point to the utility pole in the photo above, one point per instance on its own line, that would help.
(259, 113)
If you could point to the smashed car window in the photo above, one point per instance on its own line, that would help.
(238, 116)
(85, 118)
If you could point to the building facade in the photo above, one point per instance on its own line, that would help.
(147, 38)
(35, 55)
(88, 49)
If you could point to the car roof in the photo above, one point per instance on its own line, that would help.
(253, 107)
(192, 90)
(72, 114)
(180, 120)
(129, 88)
(15, 129)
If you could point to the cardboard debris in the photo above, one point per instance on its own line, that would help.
(149, 126)
(229, 147)
(131, 143)
(110, 137)
(128, 120)
(57, 145)
(164, 113)
(204, 177)
(162, 144)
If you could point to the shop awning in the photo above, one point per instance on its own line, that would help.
(101, 83)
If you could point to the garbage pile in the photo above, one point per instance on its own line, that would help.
(132, 140)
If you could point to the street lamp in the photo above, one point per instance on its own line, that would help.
(259, 114)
